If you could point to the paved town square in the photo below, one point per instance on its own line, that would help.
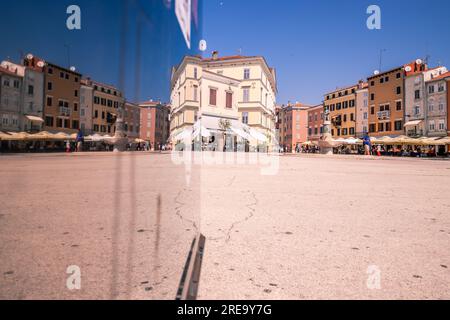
(336, 227)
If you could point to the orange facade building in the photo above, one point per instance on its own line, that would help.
(155, 125)
(342, 106)
(62, 99)
(294, 126)
(315, 122)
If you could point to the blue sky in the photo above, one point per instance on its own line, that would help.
(319, 45)
(315, 46)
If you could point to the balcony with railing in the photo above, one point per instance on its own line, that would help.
(337, 121)
(414, 133)
(64, 111)
(384, 115)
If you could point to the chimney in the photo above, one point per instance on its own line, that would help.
(215, 55)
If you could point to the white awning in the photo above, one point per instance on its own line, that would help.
(186, 134)
(413, 123)
(241, 133)
(257, 135)
(35, 119)
(199, 129)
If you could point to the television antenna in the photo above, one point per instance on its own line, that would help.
(381, 58)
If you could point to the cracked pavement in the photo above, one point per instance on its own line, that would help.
(309, 232)
(313, 230)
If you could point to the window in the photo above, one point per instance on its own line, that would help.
(372, 128)
(76, 93)
(82, 112)
(16, 84)
(441, 87)
(49, 101)
(48, 121)
(195, 74)
(196, 93)
(381, 80)
(245, 117)
(441, 106)
(75, 106)
(49, 86)
(372, 110)
(431, 107)
(75, 124)
(59, 122)
(352, 117)
(417, 94)
(399, 105)
(352, 103)
(96, 100)
(416, 110)
(380, 127)
(229, 100)
(399, 90)
(344, 131)
(388, 126)
(372, 83)
(345, 106)
(366, 116)
(352, 131)
(6, 83)
(213, 97)
(30, 90)
(61, 75)
(246, 94)
(372, 96)
(441, 125)
(431, 89)
(432, 126)
(386, 79)
(76, 79)
(398, 125)
(50, 70)
(246, 74)
(67, 76)
(96, 115)
(399, 75)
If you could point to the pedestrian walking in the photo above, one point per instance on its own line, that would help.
(367, 145)
(79, 141)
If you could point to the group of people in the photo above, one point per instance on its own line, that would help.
(407, 151)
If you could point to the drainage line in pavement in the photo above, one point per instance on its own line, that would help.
(190, 278)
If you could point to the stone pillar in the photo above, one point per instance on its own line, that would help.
(120, 140)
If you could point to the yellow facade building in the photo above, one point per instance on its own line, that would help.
(342, 106)
(233, 98)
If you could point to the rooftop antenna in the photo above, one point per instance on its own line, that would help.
(381, 58)
(21, 55)
(67, 46)
(240, 51)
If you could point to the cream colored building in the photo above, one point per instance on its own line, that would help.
(232, 98)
